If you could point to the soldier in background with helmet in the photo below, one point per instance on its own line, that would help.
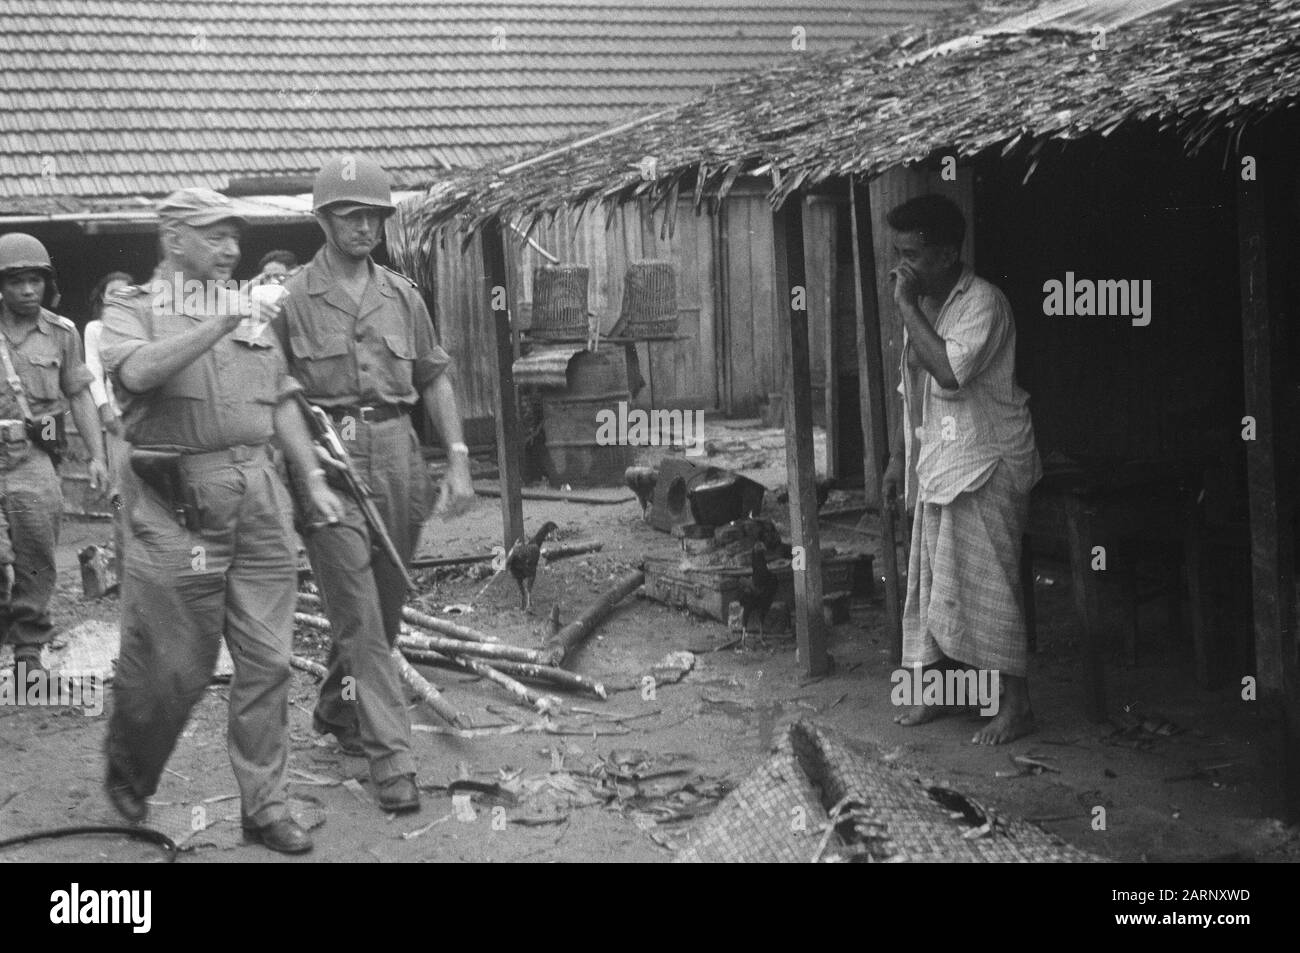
(42, 374)
(359, 339)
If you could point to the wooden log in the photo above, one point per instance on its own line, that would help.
(549, 553)
(442, 626)
(809, 624)
(576, 632)
(872, 400)
(428, 694)
(510, 442)
(558, 677)
(560, 496)
(494, 651)
(524, 671)
(417, 618)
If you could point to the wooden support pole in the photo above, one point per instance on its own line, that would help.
(1272, 541)
(792, 311)
(872, 391)
(510, 446)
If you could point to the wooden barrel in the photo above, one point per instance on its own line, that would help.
(650, 298)
(573, 454)
(560, 301)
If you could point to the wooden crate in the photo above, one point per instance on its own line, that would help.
(709, 592)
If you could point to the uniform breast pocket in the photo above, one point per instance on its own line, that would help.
(262, 380)
(43, 381)
(396, 370)
(321, 360)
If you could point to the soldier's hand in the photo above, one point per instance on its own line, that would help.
(328, 506)
(98, 476)
(457, 495)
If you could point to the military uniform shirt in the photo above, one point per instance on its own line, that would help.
(47, 359)
(381, 350)
(226, 397)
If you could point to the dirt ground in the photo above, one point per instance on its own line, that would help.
(1184, 788)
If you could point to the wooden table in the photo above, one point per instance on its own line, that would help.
(1113, 505)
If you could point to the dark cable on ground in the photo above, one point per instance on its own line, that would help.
(136, 833)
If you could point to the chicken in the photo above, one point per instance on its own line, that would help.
(757, 593)
(824, 488)
(522, 562)
(641, 481)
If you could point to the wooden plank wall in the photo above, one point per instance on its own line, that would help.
(684, 370)
(755, 351)
(821, 274)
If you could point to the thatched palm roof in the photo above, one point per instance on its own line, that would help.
(1197, 69)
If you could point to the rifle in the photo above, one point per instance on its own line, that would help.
(327, 438)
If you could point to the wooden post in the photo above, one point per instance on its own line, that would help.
(873, 388)
(510, 446)
(1272, 543)
(787, 246)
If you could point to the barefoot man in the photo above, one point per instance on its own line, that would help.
(966, 458)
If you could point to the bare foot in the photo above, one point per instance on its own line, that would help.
(914, 715)
(1007, 725)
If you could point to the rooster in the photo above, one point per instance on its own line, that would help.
(757, 594)
(641, 481)
(824, 487)
(522, 562)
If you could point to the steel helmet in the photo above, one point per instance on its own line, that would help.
(353, 180)
(22, 252)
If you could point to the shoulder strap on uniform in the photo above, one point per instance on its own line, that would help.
(15, 383)
(397, 274)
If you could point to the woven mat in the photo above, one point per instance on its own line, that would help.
(781, 813)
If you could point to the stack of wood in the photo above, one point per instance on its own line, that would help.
(428, 640)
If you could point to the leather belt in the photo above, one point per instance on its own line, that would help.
(241, 453)
(370, 414)
(13, 431)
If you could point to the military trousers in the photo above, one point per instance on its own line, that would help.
(32, 504)
(363, 592)
(231, 574)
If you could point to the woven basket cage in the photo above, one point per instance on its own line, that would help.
(560, 300)
(650, 298)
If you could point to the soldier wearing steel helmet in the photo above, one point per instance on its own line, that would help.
(42, 374)
(359, 339)
(213, 553)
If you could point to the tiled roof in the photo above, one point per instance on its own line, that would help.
(137, 97)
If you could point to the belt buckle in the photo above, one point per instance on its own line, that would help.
(365, 413)
(13, 431)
